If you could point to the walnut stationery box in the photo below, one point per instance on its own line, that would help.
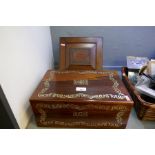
(81, 99)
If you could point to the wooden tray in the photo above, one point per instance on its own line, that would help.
(144, 106)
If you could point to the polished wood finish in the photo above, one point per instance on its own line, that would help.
(81, 53)
(101, 102)
(144, 106)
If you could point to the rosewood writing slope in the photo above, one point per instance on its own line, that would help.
(81, 99)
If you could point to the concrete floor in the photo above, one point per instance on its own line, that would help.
(133, 123)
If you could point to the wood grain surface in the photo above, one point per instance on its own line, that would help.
(104, 104)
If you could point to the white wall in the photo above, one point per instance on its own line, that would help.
(25, 55)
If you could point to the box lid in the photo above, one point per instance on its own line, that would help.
(82, 85)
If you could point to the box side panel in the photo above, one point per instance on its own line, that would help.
(86, 115)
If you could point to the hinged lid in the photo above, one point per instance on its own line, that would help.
(82, 85)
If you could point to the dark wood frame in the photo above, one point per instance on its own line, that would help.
(98, 41)
(7, 119)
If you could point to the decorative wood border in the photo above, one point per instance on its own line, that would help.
(41, 108)
(119, 95)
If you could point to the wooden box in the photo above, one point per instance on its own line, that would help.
(81, 53)
(144, 106)
(81, 99)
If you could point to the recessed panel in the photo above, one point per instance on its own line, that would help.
(81, 53)
(79, 56)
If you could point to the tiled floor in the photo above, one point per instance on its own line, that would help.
(133, 123)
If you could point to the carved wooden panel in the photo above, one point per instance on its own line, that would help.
(80, 53)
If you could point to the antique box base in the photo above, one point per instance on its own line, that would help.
(81, 99)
